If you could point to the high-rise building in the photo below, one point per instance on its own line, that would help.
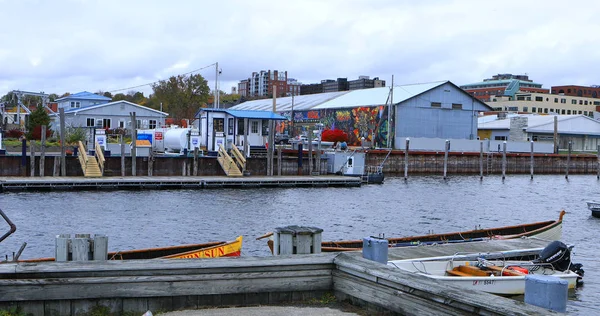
(363, 82)
(502, 85)
(261, 84)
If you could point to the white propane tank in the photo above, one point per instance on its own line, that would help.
(176, 139)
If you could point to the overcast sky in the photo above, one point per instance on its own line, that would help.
(70, 46)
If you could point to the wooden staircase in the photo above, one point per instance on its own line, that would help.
(228, 164)
(92, 166)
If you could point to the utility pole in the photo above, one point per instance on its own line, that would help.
(216, 101)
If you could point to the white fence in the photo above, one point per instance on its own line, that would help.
(467, 145)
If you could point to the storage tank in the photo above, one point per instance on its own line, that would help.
(176, 139)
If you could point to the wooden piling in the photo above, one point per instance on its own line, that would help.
(481, 160)
(196, 153)
(122, 155)
(568, 160)
(279, 160)
(503, 160)
(150, 163)
(133, 144)
(406, 159)
(55, 170)
(32, 158)
(63, 159)
(43, 152)
(446, 149)
(532, 162)
(310, 153)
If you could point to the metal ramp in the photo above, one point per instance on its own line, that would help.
(228, 164)
(92, 166)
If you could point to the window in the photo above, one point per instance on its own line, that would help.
(596, 102)
(525, 109)
(500, 138)
(562, 111)
(528, 98)
(75, 104)
(456, 106)
(513, 108)
(540, 110)
(580, 102)
(568, 112)
(585, 102)
(144, 124)
(106, 123)
(520, 98)
(533, 110)
(230, 126)
(436, 105)
(241, 130)
(218, 125)
(539, 99)
(265, 127)
(563, 100)
(546, 110)
(573, 101)
(90, 122)
(555, 100)
(254, 126)
(152, 124)
(121, 124)
(580, 112)
(585, 113)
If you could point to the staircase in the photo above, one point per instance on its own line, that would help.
(227, 163)
(92, 166)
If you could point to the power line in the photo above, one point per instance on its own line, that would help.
(147, 84)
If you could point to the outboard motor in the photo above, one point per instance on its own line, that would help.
(557, 254)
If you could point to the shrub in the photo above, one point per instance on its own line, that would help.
(37, 133)
(13, 133)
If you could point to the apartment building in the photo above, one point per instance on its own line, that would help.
(503, 85)
(545, 103)
(261, 84)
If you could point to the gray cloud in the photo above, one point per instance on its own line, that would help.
(60, 46)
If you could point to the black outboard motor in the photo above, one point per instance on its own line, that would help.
(557, 254)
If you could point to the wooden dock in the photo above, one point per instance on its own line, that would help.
(181, 182)
(134, 286)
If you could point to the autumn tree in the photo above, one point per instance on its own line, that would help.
(37, 118)
(181, 96)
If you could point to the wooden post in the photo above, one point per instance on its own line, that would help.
(150, 163)
(406, 158)
(246, 146)
(279, 160)
(568, 160)
(61, 250)
(310, 153)
(503, 160)
(100, 251)
(532, 161)
(55, 172)
(184, 167)
(271, 137)
(446, 149)
(81, 247)
(481, 161)
(43, 152)
(133, 144)
(122, 155)
(63, 159)
(196, 152)
(555, 134)
(32, 157)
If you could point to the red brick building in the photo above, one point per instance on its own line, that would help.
(577, 91)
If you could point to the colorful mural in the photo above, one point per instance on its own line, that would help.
(368, 122)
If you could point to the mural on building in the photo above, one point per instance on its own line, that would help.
(368, 122)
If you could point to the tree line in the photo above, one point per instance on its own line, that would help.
(180, 96)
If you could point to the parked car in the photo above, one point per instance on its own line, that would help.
(281, 138)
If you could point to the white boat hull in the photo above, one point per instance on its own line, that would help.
(494, 284)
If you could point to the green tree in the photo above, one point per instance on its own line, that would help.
(181, 96)
(119, 97)
(37, 118)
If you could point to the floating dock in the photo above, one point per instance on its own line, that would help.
(182, 182)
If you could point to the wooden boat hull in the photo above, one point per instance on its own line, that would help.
(467, 274)
(548, 230)
(191, 251)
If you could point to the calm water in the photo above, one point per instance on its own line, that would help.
(397, 208)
